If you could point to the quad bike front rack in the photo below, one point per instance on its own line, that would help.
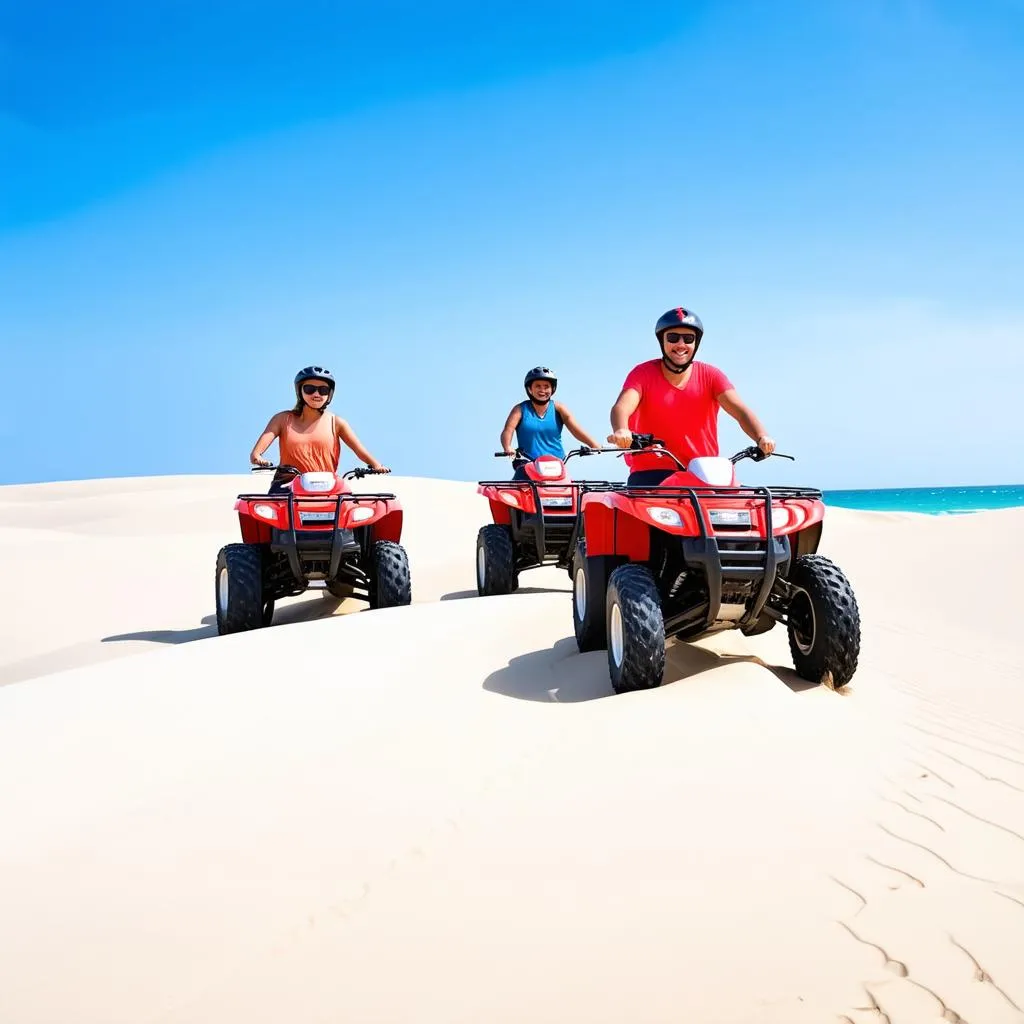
(705, 552)
(538, 526)
(342, 540)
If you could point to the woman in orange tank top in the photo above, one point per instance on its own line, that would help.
(308, 436)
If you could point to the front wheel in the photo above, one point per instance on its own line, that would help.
(239, 589)
(391, 582)
(589, 585)
(823, 622)
(495, 562)
(636, 629)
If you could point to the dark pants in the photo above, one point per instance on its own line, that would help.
(648, 477)
(278, 482)
(520, 473)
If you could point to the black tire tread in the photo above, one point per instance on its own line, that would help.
(501, 576)
(392, 581)
(643, 627)
(245, 609)
(836, 649)
(592, 631)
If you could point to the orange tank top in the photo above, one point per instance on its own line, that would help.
(314, 450)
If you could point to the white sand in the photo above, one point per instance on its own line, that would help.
(441, 814)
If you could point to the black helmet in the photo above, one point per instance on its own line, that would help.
(540, 373)
(314, 373)
(678, 317)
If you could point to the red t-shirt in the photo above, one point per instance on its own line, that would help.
(686, 419)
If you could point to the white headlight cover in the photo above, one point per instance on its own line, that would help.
(549, 469)
(665, 516)
(359, 514)
(316, 481)
(265, 511)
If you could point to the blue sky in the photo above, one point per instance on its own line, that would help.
(197, 199)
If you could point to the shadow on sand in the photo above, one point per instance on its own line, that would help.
(308, 608)
(460, 595)
(561, 675)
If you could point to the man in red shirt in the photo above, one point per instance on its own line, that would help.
(677, 399)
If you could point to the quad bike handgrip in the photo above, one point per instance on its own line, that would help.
(646, 441)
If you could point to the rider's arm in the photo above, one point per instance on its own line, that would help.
(624, 407)
(264, 441)
(511, 422)
(574, 428)
(731, 402)
(347, 434)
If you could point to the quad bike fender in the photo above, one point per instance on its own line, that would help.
(258, 517)
(388, 525)
(500, 512)
(797, 518)
(617, 524)
(255, 525)
(805, 541)
(501, 499)
(612, 531)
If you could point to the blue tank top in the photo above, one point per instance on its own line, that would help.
(536, 436)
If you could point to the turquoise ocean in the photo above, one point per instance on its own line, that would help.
(930, 500)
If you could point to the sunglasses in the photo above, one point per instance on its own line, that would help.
(673, 336)
(316, 389)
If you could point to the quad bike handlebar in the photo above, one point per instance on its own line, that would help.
(644, 442)
(520, 455)
(756, 455)
(358, 473)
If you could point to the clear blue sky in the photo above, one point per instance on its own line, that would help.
(196, 199)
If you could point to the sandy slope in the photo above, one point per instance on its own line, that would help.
(439, 813)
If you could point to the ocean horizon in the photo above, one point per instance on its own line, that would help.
(929, 500)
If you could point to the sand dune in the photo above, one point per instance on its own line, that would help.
(440, 812)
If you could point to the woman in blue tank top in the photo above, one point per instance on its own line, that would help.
(537, 423)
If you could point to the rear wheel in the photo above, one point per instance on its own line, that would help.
(495, 561)
(589, 585)
(391, 582)
(239, 589)
(636, 629)
(823, 622)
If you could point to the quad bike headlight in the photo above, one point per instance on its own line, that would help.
(265, 512)
(665, 516)
(360, 514)
(552, 469)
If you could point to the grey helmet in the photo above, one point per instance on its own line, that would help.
(540, 373)
(314, 373)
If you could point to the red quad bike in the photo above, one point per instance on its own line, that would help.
(535, 521)
(700, 553)
(316, 529)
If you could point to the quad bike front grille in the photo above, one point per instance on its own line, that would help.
(730, 566)
(316, 548)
